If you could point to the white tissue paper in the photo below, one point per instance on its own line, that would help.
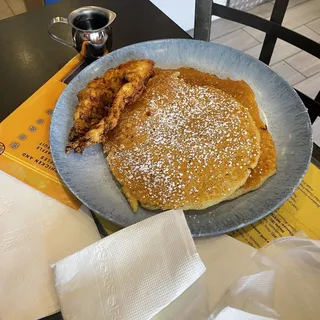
(219, 255)
(235, 314)
(132, 274)
(225, 259)
(35, 231)
(281, 282)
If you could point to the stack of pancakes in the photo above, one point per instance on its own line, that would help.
(191, 141)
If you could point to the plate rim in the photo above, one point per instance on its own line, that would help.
(207, 234)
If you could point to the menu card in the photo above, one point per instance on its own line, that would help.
(301, 212)
(24, 140)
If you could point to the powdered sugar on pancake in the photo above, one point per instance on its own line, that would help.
(190, 145)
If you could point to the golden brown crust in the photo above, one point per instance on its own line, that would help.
(101, 103)
(182, 145)
(266, 167)
(90, 108)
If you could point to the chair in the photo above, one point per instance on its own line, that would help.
(273, 29)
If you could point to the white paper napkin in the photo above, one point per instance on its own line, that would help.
(282, 281)
(35, 231)
(225, 259)
(132, 274)
(219, 255)
(279, 281)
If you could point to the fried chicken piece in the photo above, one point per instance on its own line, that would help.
(93, 102)
(91, 107)
(99, 108)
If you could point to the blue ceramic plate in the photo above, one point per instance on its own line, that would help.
(89, 178)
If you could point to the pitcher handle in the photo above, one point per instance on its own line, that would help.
(53, 36)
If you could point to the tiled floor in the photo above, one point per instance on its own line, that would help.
(9, 8)
(299, 68)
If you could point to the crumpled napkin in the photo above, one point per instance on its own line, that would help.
(35, 231)
(131, 274)
(281, 282)
(219, 255)
(236, 314)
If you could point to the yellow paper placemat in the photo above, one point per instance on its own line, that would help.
(300, 213)
(24, 140)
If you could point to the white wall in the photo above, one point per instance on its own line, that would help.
(180, 11)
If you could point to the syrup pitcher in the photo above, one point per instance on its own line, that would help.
(91, 31)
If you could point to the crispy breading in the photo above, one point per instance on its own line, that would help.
(90, 109)
(101, 102)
